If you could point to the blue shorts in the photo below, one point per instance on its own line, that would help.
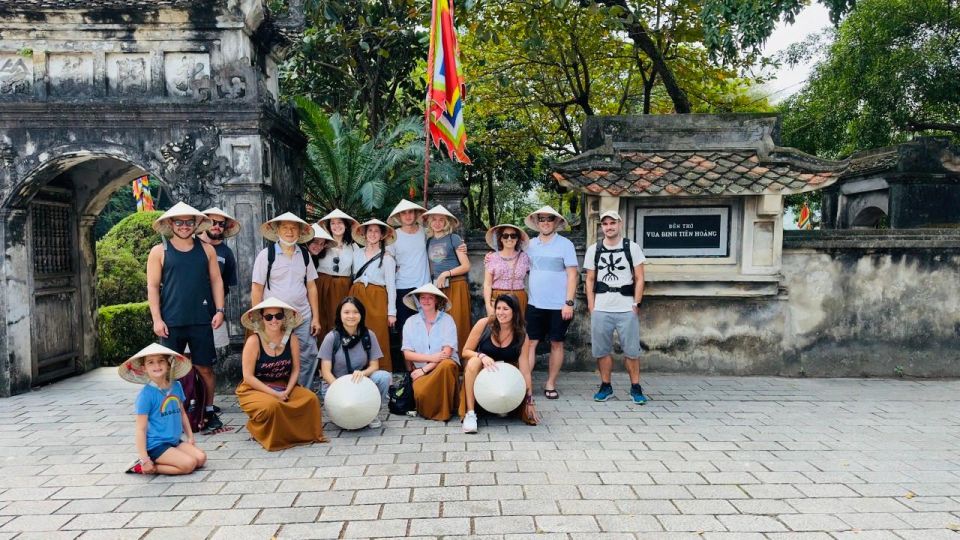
(200, 339)
(158, 450)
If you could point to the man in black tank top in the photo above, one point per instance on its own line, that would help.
(185, 292)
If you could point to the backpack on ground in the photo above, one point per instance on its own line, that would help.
(402, 400)
(272, 256)
(195, 393)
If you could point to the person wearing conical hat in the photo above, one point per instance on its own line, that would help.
(284, 271)
(161, 413)
(335, 265)
(553, 287)
(186, 295)
(222, 226)
(431, 353)
(374, 281)
(281, 413)
(449, 265)
(505, 268)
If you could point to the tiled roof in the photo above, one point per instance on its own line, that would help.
(637, 173)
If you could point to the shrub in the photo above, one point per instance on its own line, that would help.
(122, 259)
(122, 331)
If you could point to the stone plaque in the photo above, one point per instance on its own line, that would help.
(16, 74)
(71, 74)
(684, 231)
(128, 74)
(187, 75)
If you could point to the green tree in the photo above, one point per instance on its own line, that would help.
(122, 259)
(362, 175)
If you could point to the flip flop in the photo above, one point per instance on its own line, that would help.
(551, 393)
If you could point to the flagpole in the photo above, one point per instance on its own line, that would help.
(427, 100)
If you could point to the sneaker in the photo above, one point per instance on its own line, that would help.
(605, 392)
(135, 468)
(470, 422)
(211, 422)
(216, 410)
(376, 423)
(636, 392)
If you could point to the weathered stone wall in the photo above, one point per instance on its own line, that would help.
(852, 303)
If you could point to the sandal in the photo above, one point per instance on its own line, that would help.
(551, 393)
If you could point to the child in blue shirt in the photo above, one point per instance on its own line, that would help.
(161, 417)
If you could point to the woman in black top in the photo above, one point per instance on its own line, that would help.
(500, 337)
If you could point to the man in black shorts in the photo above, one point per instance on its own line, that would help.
(185, 293)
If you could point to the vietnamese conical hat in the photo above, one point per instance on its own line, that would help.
(337, 213)
(531, 220)
(252, 320)
(410, 299)
(268, 231)
(403, 206)
(439, 210)
(494, 232)
(360, 232)
(132, 369)
(233, 226)
(319, 233)
(181, 209)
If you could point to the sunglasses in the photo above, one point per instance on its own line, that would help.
(551, 219)
(271, 316)
(184, 222)
(220, 224)
(509, 236)
(336, 264)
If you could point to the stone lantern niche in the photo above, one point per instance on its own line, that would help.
(701, 194)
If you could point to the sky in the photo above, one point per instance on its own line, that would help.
(790, 79)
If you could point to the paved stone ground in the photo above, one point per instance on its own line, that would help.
(709, 457)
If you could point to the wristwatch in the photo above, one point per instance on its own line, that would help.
(638, 305)
(569, 303)
(221, 310)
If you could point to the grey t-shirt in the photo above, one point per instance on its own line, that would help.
(411, 253)
(442, 253)
(358, 357)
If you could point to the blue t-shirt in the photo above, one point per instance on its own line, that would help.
(548, 271)
(162, 408)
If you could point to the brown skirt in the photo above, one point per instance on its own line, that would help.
(521, 295)
(520, 412)
(279, 424)
(458, 291)
(436, 392)
(330, 291)
(374, 300)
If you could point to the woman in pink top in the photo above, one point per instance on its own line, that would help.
(506, 267)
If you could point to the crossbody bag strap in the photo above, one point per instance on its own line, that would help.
(365, 265)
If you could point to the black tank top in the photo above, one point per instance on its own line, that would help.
(185, 294)
(510, 353)
(274, 368)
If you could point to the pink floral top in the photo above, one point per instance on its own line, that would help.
(508, 274)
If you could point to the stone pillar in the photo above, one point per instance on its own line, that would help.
(16, 360)
(451, 196)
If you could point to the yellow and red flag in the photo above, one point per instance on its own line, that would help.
(141, 193)
(803, 221)
(445, 84)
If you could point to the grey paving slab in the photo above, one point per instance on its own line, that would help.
(708, 457)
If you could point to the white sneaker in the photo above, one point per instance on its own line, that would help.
(376, 424)
(470, 422)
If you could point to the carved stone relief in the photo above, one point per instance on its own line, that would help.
(231, 86)
(71, 75)
(241, 158)
(194, 169)
(128, 74)
(16, 74)
(187, 75)
(265, 159)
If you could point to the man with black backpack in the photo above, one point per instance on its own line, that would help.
(284, 271)
(614, 291)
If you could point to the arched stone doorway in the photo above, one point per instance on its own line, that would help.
(55, 208)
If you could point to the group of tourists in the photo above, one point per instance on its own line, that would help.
(331, 298)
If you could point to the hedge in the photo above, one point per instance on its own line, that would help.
(123, 330)
(122, 259)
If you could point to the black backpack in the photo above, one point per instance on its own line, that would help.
(272, 256)
(337, 344)
(402, 400)
(629, 256)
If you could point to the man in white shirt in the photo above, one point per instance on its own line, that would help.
(614, 291)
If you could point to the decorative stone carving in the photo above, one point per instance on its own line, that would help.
(231, 86)
(241, 158)
(266, 96)
(128, 74)
(7, 155)
(71, 75)
(188, 75)
(16, 74)
(194, 169)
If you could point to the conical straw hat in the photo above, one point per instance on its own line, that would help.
(531, 220)
(268, 231)
(439, 210)
(494, 232)
(163, 226)
(410, 299)
(321, 233)
(403, 206)
(360, 231)
(233, 226)
(132, 369)
(252, 319)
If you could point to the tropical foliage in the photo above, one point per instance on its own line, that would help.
(122, 259)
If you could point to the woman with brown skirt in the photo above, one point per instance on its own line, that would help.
(334, 266)
(506, 267)
(374, 281)
(281, 413)
(448, 265)
(501, 337)
(430, 351)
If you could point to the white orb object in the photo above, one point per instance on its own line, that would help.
(500, 391)
(352, 405)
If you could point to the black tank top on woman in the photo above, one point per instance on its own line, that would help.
(185, 294)
(510, 353)
(273, 368)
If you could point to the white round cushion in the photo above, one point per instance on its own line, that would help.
(352, 405)
(500, 391)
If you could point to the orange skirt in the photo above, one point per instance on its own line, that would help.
(458, 291)
(374, 300)
(436, 392)
(521, 295)
(279, 424)
(330, 291)
(520, 412)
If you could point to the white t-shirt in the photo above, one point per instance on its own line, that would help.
(410, 251)
(548, 271)
(615, 272)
